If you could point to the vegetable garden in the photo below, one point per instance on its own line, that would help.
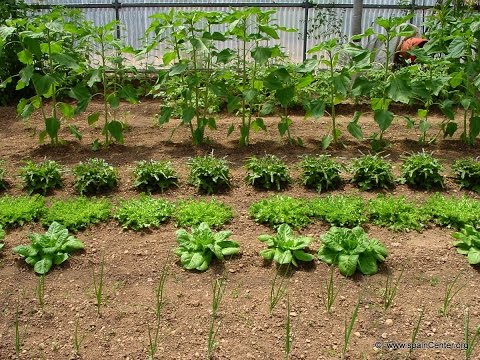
(222, 202)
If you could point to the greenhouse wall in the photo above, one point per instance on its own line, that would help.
(135, 16)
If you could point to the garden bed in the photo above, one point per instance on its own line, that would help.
(133, 261)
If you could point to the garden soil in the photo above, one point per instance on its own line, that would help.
(133, 261)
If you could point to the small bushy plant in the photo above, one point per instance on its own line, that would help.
(267, 172)
(396, 213)
(372, 172)
(41, 177)
(351, 249)
(209, 174)
(197, 249)
(467, 173)
(468, 243)
(277, 210)
(193, 212)
(453, 212)
(95, 176)
(52, 248)
(339, 210)
(16, 211)
(320, 172)
(422, 170)
(3, 173)
(285, 248)
(77, 213)
(144, 212)
(154, 176)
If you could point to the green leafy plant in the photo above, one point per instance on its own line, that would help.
(416, 329)
(98, 282)
(277, 210)
(348, 327)
(94, 176)
(397, 213)
(455, 212)
(351, 249)
(144, 212)
(467, 172)
(329, 294)
(422, 170)
(451, 290)
(209, 174)
(77, 338)
(320, 172)
(267, 172)
(193, 212)
(372, 172)
(218, 290)
(45, 250)
(468, 243)
(154, 176)
(77, 213)
(41, 177)
(16, 211)
(339, 210)
(197, 249)
(285, 248)
(3, 172)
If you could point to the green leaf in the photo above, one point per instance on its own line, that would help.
(267, 254)
(261, 54)
(457, 47)
(367, 264)
(473, 256)
(383, 118)
(285, 95)
(270, 31)
(43, 266)
(362, 86)
(74, 131)
(326, 141)
(67, 61)
(474, 127)
(25, 250)
(59, 258)
(165, 114)
(315, 108)
(93, 118)
(353, 128)
(258, 124)
(302, 255)
(52, 126)
(327, 255)
(177, 69)
(115, 128)
(399, 89)
(43, 84)
(231, 129)
(347, 264)
(72, 245)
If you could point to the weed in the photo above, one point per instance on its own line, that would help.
(267, 172)
(95, 176)
(329, 293)
(278, 286)
(455, 212)
(98, 285)
(41, 177)
(285, 248)
(194, 212)
(209, 174)
(320, 172)
(471, 341)
(153, 339)
(396, 213)
(77, 213)
(467, 172)
(451, 290)
(422, 170)
(276, 210)
(348, 327)
(154, 176)
(218, 289)
(77, 339)
(17, 211)
(144, 212)
(390, 291)
(416, 329)
(339, 210)
(372, 172)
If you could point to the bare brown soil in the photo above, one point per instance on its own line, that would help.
(133, 262)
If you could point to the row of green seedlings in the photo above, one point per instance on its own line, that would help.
(348, 248)
(210, 174)
(138, 213)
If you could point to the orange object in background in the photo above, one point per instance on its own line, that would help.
(410, 44)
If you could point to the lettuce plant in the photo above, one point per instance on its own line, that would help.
(468, 243)
(193, 212)
(285, 248)
(16, 211)
(52, 248)
(351, 249)
(197, 249)
(144, 212)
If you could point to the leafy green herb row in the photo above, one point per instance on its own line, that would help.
(212, 175)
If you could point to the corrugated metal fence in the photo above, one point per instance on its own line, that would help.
(135, 15)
